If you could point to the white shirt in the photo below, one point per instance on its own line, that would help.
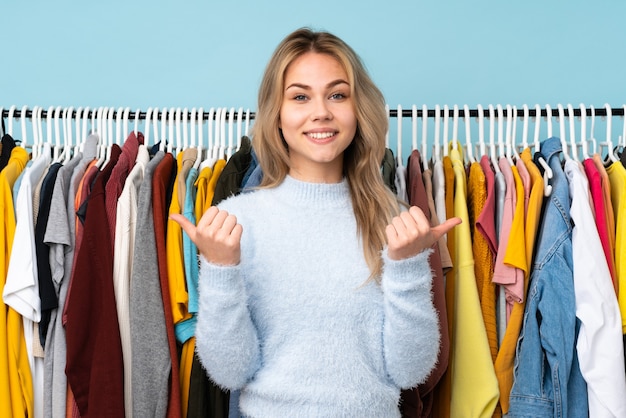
(599, 345)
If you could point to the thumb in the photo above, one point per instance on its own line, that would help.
(443, 228)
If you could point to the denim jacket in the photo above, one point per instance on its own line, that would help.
(547, 377)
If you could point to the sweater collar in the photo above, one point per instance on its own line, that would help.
(315, 194)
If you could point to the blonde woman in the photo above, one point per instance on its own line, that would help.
(315, 288)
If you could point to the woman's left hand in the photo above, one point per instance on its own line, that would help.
(410, 233)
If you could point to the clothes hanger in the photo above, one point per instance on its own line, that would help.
(413, 127)
(163, 141)
(437, 148)
(189, 129)
(247, 125)
(609, 142)
(1, 124)
(481, 130)
(572, 132)
(455, 126)
(208, 158)
(119, 141)
(399, 136)
(136, 125)
(68, 142)
(155, 125)
(35, 128)
(49, 122)
(23, 122)
(424, 136)
(170, 126)
(492, 144)
(146, 136)
(514, 147)
(84, 129)
(468, 139)
(562, 132)
(11, 116)
(231, 142)
(500, 119)
(446, 137)
(77, 122)
(583, 131)
(547, 170)
(57, 135)
(197, 118)
(508, 135)
(239, 121)
(525, 126)
(593, 129)
(177, 124)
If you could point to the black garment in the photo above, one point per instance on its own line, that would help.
(8, 143)
(47, 292)
(388, 167)
(231, 178)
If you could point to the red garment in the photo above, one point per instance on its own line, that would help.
(115, 184)
(162, 179)
(95, 369)
(418, 402)
(486, 222)
(597, 195)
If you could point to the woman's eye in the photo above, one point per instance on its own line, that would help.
(300, 97)
(338, 96)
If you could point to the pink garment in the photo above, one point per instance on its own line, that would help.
(511, 278)
(486, 221)
(597, 197)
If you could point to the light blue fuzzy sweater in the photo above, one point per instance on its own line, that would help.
(293, 325)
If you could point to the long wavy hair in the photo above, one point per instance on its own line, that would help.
(374, 204)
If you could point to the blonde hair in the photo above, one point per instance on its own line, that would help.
(374, 204)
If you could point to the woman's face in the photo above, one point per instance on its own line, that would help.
(317, 117)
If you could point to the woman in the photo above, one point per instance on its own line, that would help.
(315, 288)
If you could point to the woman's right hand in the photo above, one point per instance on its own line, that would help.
(217, 235)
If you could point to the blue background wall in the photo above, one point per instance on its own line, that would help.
(144, 53)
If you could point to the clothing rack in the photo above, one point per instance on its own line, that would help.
(415, 111)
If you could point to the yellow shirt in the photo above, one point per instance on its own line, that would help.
(16, 384)
(218, 167)
(202, 185)
(617, 179)
(474, 385)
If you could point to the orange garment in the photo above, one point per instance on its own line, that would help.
(483, 258)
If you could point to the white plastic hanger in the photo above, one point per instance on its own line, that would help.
(136, 125)
(170, 127)
(492, 144)
(11, 116)
(547, 171)
(481, 130)
(399, 136)
(508, 139)
(177, 124)
(572, 131)
(413, 127)
(525, 126)
(24, 142)
(609, 141)
(623, 144)
(1, 127)
(239, 121)
(425, 136)
(514, 134)
(468, 136)
(455, 127)
(197, 119)
(562, 132)
(500, 113)
(247, 125)
(146, 137)
(49, 123)
(125, 122)
(162, 143)
(437, 148)
(208, 158)
(549, 120)
(155, 125)
(84, 129)
(77, 122)
(231, 142)
(446, 137)
(35, 128)
(222, 151)
(583, 131)
(68, 142)
(57, 135)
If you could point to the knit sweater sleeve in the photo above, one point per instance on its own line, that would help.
(411, 333)
(226, 338)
